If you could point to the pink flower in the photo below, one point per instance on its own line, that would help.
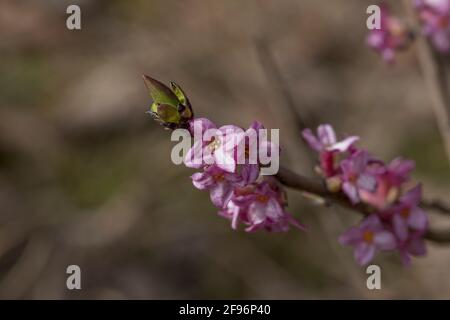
(413, 246)
(391, 37)
(398, 170)
(259, 206)
(201, 123)
(327, 145)
(407, 214)
(228, 146)
(215, 145)
(355, 175)
(367, 238)
(219, 183)
(435, 18)
(389, 180)
(255, 145)
(197, 128)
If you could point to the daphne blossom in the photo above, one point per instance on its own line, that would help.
(389, 180)
(407, 215)
(235, 186)
(327, 145)
(414, 245)
(218, 182)
(367, 238)
(216, 146)
(355, 175)
(233, 176)
(435, 19)
(393, 35)
(259, 206)
(396, 220)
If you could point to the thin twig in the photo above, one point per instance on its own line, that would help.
(434, 71)
(436, 205)
(438, 236)
(278, 82)
(312, 186)
(291, 113)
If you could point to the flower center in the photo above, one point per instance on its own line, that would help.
(396, 29)
(214, 144)
(353, 178)
(405, 213)
(368, 236)
(242, 191)
(262, 198)
(443, 22)
(218, 177)
(392, 195)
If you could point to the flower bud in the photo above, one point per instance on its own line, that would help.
(334, 184)
(170, 107)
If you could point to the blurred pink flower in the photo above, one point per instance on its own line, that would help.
(389, 179)
(219, 183)
(413, 246)
(407, 214)
(435, 18)
(228, 147)
(392, 36)
(197, 127)
(219, 148)
(355, 175)
(327, 145)
(367, 238)
(259, 206)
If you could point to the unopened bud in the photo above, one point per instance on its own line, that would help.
(334, 184)
(392, 195)
(170, 107)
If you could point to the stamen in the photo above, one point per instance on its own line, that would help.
(368, 236)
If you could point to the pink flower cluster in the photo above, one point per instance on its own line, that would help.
(396, 221)
(392, 36)
(237, 189)
(435, 18)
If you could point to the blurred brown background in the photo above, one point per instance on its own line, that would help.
(86, 176)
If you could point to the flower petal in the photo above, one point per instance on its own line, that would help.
(342, 146)
(372, 222)
(385, 240)
(417, 247)
(367, 181)
(417, 219)
(273, 209)
(256, 125)
(400, 227)
(405, 258)
(364, 253)
(292, 220)
(311, 139)
(351, 191)
(221, 194)
(224, 160)
(193, 158)
(200, 125)
(326, 134)
(235, 217)
(350, 237)
(249, 173)
(401, 167)
(202, 180)
(413, 196)
(257, 212)
(360, 159)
